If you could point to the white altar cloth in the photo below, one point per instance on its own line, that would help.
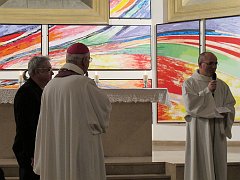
(115, 95)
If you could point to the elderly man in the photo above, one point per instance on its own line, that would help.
(26, 110)
(210, 114)
(74, 114)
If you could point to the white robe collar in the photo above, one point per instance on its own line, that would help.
(73, 67)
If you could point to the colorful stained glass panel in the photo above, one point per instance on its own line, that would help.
(111, 47)
(9, 83)
(18, 43)
(223, 39)
(177, 54)
(130, 9)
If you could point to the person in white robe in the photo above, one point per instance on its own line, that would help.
(210, 115)
(74, 114)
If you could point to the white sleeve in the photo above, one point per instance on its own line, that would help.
(100, 106)
(199, 103)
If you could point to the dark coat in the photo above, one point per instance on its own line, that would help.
(27, 104)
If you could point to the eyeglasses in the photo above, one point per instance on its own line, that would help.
(49, 69)
(211, 63)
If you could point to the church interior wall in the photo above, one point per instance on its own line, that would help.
(161, 131)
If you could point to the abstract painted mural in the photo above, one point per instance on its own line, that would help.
(18, 43)
(177, 54)
(130, 9)
(9, 83)
(123, 83)
(223, 39)
(112, 47)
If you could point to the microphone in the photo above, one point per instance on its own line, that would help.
(214, 77)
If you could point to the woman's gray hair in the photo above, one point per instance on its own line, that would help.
(35, 63)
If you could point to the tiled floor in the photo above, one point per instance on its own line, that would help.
(172, 154)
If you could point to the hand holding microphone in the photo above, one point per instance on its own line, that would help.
(212, 85)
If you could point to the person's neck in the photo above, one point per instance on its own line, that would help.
(38, 82)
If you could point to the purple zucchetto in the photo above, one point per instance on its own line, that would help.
(78, 48)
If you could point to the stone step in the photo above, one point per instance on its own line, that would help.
(12, 178)
(11, 171)
(119, 177)
(10, 167)
(133, 168)
(233, 171)
(176, 170)
(139, 177)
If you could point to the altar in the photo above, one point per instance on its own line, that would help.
(130, 129)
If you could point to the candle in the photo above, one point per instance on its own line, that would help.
(145, 79)
(96, 77)
(20, 77)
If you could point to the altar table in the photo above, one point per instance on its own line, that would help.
(130, 129)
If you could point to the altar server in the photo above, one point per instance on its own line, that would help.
(74, 114)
